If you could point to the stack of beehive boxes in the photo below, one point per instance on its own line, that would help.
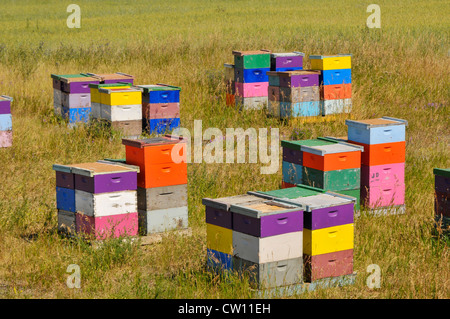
(281, 237)
(268, 242)
(333, 167)
(97, 200)
(230, 86)
(71, 96)
(257, 236)
(335, 82)
(6, 132)
(251, 79)
(219, 230)
(442, 200)
(160, 107)
(382, 162)
(290, 61)
(294, 94)
(323, 163)
(121, 108)
(96, 104)
(162, 182)
(292, 164)
(328, 232)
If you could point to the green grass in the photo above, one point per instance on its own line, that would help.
(400, 70)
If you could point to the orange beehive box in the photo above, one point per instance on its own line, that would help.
(162, 160)
(230, 99)
(165, 174)
(382, 154)
(332, 157)
(336, 91)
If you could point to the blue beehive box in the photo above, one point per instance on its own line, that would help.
(376, 131)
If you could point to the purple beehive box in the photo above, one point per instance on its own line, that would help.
(302, 78)
(5, 104)
(325, 210)
(78, 85)
(266, 218)
(288, 60)
(217, 210)
(106, 183)
(97, 177)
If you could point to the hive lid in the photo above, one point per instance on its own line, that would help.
(107, 85)
(60, 76)
(242, 53)
(97, 168)
(327, 199)
(329, 56)
(339, 147)
(146, 88)
(170, 87)
(224, 203)
(378, 122)
(442, 172)
(297, 144)
(342, 139)
(62, 168)
(115, 160)
(117, 90)
(6, 98)
(81, 78)
(264, 207)
(120, 162)
(111, 76)
(299, 190)
(293, 73)
(154, 141)
(286, 54)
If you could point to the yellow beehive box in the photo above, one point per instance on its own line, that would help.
(219, 239)
(331, 62)
(95, 94)
(328, 240)
(120, 96)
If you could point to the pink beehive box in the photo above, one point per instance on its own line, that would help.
(252, 89)
(6, 138)
(383, 196)
(112, 226)
(378, 175)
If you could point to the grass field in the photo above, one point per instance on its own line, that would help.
(400, 70)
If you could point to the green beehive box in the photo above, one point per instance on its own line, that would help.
(251, 59)
(354, 193)
(335, 181)
(442, 172)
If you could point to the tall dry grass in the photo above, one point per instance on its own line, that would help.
(400, 70)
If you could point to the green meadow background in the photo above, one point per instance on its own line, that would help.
(400, 70)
